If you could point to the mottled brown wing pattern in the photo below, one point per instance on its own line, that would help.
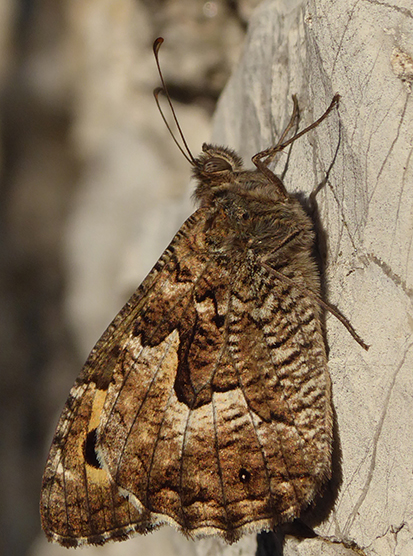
(217, 422)
(80, 503)
(286, 386)
(206, 404)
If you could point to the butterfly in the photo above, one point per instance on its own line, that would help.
(206, 404)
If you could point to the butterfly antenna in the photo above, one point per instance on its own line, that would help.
(156, 94)
(164, 89)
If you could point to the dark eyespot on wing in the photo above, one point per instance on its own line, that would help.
(89, 450)
(244, 475)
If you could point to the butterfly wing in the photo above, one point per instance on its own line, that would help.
(218, 417)
(80, 503)
(277, 347)
(206, 405)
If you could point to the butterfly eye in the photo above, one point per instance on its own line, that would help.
(216, 165)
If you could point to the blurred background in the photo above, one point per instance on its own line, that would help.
(92, 190)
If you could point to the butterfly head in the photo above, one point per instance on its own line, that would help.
(215, 167)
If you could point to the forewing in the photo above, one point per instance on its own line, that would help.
(157, 433)
(80, 503)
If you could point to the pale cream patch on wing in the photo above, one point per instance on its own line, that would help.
(97, 408)
(134, 412)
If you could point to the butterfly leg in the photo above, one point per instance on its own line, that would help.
(268, 154)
